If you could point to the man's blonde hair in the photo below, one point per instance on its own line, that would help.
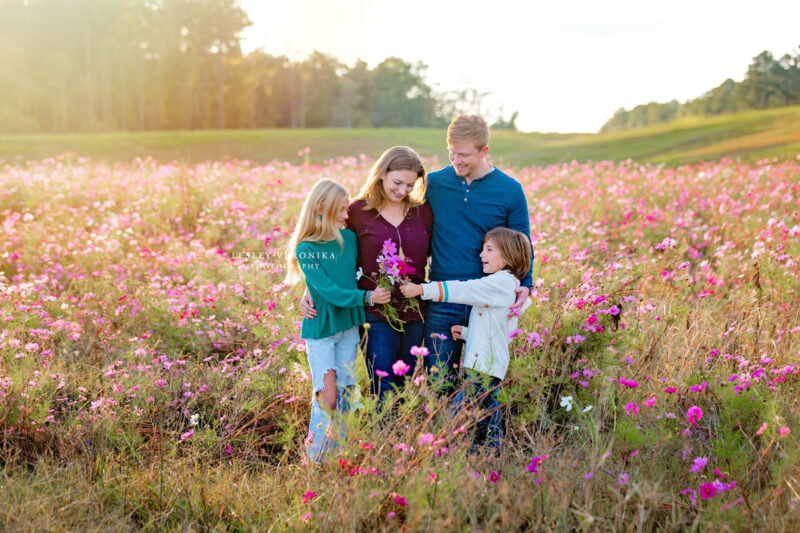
(468, 128)
(514, 246)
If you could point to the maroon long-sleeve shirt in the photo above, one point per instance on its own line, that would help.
(413, 235)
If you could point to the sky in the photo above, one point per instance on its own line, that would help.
(565, 65)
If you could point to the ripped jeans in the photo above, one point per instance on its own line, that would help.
(337, 352)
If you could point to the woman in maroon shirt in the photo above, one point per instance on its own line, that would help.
(391, 206)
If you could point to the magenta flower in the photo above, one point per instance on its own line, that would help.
(308, 496)
(707, 490)
(534, 466)
(187, 435)
(400, 368)
(693, 414)
(632, 408)
(381, 373)
(494, 477)
(400, 500)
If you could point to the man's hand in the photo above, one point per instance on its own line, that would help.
(455, 331)
(307, 306)
(522, 295)
(410, 290)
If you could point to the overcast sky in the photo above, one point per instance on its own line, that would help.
(565, 65)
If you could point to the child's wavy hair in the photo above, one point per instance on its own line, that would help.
(318, 221)
(395, 158)
(515, 247)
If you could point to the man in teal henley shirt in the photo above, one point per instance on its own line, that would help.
(468, 198)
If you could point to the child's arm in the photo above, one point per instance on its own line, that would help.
(491, 291)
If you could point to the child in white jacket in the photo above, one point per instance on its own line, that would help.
(506, 258)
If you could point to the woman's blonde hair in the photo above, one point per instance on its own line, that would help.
(515, 247)
(395, 158)
(318, 221)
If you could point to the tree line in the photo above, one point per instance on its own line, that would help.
(769, 83)
(106, 65)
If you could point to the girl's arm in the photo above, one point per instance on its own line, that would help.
(491, 291)
(328, 291)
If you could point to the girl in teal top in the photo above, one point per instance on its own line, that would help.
(323, 255)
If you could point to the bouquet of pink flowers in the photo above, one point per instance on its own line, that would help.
(394, 269)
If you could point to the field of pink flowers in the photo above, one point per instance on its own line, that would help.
(153, 377)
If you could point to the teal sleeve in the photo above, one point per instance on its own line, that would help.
(325, 287)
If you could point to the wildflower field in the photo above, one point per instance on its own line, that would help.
(153, 377)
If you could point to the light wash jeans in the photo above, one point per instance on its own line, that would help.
(337, 352)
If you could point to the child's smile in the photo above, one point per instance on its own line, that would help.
(491, 258)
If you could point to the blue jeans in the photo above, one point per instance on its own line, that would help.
(337, 352)
(445, 353)
(385, 347)
(481, 392)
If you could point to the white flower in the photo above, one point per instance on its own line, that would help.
(359, 273)
(194, 419)
(566, 402)
(587, 408)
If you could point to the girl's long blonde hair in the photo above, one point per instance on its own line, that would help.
(318, 221)
(395, 158)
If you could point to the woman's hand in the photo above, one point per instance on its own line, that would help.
(307, 306)
(410, 290)
(381, 296)
(455, 331)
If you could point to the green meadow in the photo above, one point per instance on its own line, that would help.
(749, 136)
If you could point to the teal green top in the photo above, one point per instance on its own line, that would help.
(330, 274)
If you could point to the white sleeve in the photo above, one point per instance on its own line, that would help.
(491, 291)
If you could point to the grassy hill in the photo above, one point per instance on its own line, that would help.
(750, 135)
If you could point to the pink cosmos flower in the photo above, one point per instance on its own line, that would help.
(632, 408)
(494, 477)
(707, 490)
(419, 350)
(693, 414)
(400, 368)
(783, 431)
(425, 438)
(187, 435)
(534, 466)
(381, 373)
(698, 464)
(762, 429)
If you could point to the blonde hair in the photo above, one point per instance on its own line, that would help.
(515, 247)
(395, 158)
(318, 221)
(468, 128)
